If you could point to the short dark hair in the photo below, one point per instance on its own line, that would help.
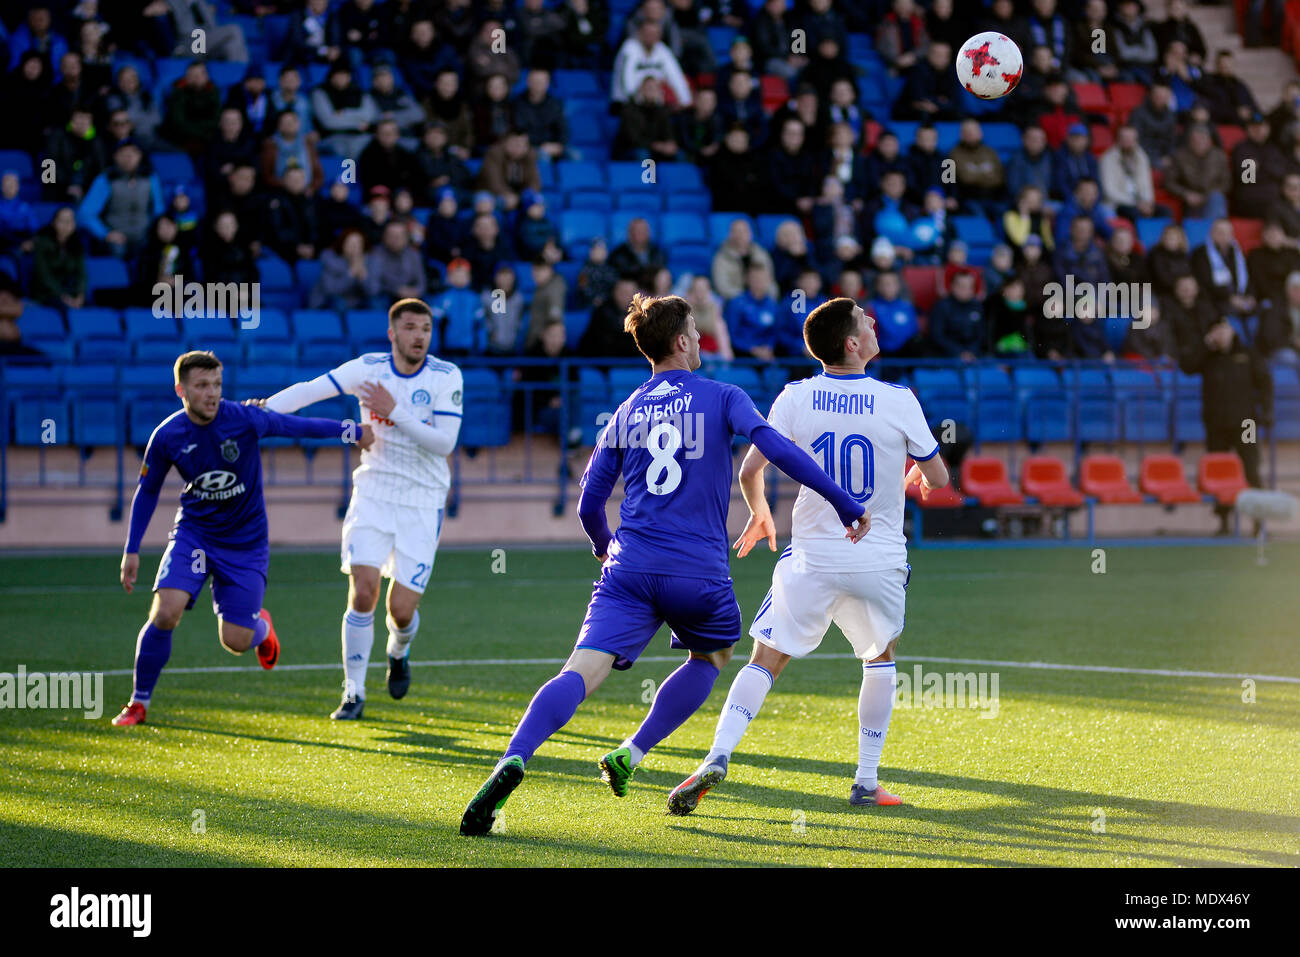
(194, 360)
(655, 323)
(418, 306)
(826, 328)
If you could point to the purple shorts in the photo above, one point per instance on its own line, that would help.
(627, 608)
(238, 575)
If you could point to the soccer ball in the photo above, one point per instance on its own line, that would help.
(989, 65)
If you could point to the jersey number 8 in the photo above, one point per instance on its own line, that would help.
(664, 473)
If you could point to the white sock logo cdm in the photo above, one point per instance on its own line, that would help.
(77, 910)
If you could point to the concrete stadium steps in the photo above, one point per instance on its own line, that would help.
(1266, 70)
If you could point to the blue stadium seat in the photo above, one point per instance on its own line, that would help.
(974, 230)
(688, 202)
(572, 175)
(996, 415)
(624, 380)
(1098, 416)
(594, 402)
(146, 414)
(1149, 230)
(1144, 407)
(1188, 424)
(576, 84)
(581, 226)
(37, 418)
(694, 259)
(259, 382)
(275, 31)
(29, 379)
(638, 201)
(273, 272)
(226, 73)
(320, 337)
(1116, 329)
(367, 330)
(720, 40)
(1002, 138)
(98, 334)
(149, 381)
(905, 130)
(594, 200)
(487, 422)
(575, 324)
(105, 272)
(680, 178)
(41, 322)
(943, 396)
(210, 332)
(306, 273)
(1198, 231)
(172, 167)
(167, 70)
(270, 341)
(96, 421)
(629, 176)
(683, 228)
(1046, 409)
(584, 131)
(744, 377)
(1286, 403)
(949, 133)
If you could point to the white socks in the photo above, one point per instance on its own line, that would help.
(637, 755)
(399, 639)
(875, 705)
(358, 638)
(743, 701)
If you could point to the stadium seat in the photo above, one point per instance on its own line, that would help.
(1230, 136)
(645, 201)
(575, 324)
(1092, 98)
(943, 395)
(581, 226)
(624, 380)
(209, 332)
(576, 84)
(681, 178)
(923, 283)
(1098, 410)
(1189, 424)
(1144, 406)
(37, 419)
(624, 177)
(172, 167)
(144, 415)
(1044, 477)
(572, 175)
(20, 161)
(105, 273)
(1102, 477)
(1162, 477)
(679, 228)
(1286, 403)
(97, 334)
(768, 224)
(306, 273)
(1198, 231)
(596, 200)
(679, 201)
(273, 272)
(1221, 475)
(1046, 408)
(1247, 233)
(619, 221)
(996, 418)
(42, 322)
(985, 479)
(95, 421)
(1124, 99)
(720, 226)
(775, 91)
(1102, 138)
(488, 424)
(270, 341)
(1149, 230)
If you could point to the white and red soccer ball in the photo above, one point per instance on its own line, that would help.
(989, 65)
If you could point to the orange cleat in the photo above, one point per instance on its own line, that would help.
(268, 652)
(879, 797)
(132, 714)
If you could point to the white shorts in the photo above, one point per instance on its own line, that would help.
(400, 540)
(869, 607)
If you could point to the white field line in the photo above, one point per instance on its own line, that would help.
(498, 662)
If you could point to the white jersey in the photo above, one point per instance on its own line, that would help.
(396, 468)
(860, 431)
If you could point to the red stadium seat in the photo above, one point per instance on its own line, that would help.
(1044, 477)
(1230, 136)
(1222, 475)
(1102, 138)
(775, 92)
(1162, 476)
(1092, 97)
(1103, 477)
(985, 479)
(1247, 232)
(1166, 198)
(1124, 99)
(923, 283)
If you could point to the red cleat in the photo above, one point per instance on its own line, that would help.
(268, 652)
(132, 714)
(860, 796)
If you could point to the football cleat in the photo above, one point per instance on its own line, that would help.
(482, 810)
(268, 652)
(349, 708)
(399, 676)
(616, 769)
(877, 797)
(132, 714)
(687, 795)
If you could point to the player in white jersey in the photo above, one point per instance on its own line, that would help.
(414, 402)
(861, 431)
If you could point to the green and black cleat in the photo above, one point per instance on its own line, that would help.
(482, 810)
(616, 769)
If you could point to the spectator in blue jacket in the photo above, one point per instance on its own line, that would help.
(459, 312)
(957, 321)
(534, 229)
(17, 219)
(1031, 165)
(122, 202)
(36, 33)
(1073, 162)
(795, 307)
(1080, 257)
(751, 316)
(897, 328)
(1086, 201)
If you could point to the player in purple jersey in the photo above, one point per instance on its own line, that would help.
(220, 527)
(668, 561)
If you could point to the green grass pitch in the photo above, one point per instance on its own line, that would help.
(1079, 767)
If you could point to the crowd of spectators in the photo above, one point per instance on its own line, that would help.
(446, 113)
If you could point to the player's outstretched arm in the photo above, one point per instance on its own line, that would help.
(302, 394)
(930, 474)
(760, 524)
(798, 465)
(302, 427)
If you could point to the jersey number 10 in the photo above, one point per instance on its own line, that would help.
(847, 480)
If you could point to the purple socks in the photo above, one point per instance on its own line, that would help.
(549, 711)
(679, 697)
(152, 649)
(260, 631)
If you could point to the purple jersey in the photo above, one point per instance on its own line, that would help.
(671, 440)
(222, 468)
